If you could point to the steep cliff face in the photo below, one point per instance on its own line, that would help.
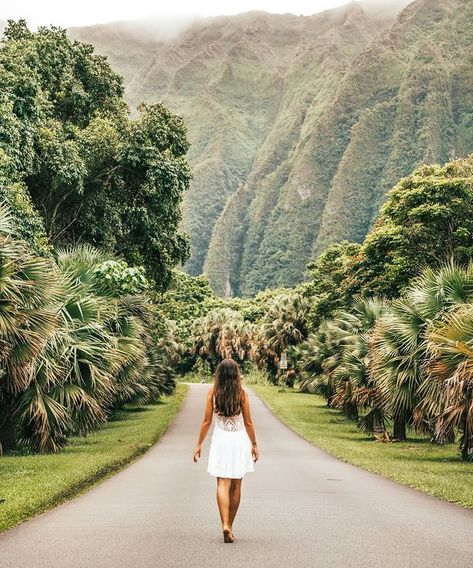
(299, 125)
(409, 117)
(279, 207)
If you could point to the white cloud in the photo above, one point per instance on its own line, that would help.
(85, 12)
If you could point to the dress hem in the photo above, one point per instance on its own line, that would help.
(232, 476)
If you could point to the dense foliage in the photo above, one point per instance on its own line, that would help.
(326, 277)
(80, 335)
(406, 360)
(93, 174)
(426, 220)
(73, 350)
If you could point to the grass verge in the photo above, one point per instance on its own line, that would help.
(417, 463)
(33, 483)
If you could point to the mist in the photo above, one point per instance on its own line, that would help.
(166, 28)
(154, 29)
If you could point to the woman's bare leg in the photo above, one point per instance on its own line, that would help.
(235, 494)
(223, 501)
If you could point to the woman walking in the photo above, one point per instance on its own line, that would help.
(233, 446)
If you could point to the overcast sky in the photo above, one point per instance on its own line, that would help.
(67, 13)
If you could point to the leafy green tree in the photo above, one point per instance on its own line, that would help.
(94, 174)
(117, 277)
(325, 278)
(185, 300)
(426, 221)
(25, 218)
(155, 175)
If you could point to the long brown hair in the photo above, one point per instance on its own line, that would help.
(227, 391)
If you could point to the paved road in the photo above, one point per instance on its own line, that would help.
(300, 508)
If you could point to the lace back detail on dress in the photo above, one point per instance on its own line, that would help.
(230, 423)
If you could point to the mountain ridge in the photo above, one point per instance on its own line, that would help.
(300, 124)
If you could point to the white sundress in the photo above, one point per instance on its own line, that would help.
(230, 448)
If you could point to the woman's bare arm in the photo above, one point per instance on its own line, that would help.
(204, 427)
(245, 410)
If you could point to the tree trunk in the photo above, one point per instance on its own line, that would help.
(330, 397)
(7, 428)
(399, 430)
(466, 442)
(351, 411)
(379, 427)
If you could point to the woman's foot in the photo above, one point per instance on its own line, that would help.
(227, 535)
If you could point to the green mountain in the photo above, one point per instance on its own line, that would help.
(299, 125)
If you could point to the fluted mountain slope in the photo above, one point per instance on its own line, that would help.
(299, 125)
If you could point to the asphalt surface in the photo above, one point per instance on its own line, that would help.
(300, 507)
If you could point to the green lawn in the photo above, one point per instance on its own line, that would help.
(437, 470)
(30, 484)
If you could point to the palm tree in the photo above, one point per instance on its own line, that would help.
(397, 356)
(350, 368)
(451, 367)
(85, 355)
(283, 326)
(399, 346)
(335, 361)
(223, 333)
(100, 355)
(132, 365)
(285, 321)
(28, 320)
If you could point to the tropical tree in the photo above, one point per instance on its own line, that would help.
(335, 362)
(283, 326)
(397, 357)
(326, 277)
(94, 174)
(451, 367)
(29, 296)
(312, 355)
(354, 387)
(223, 333)
(426, 221)
(75, 346)
(399, 346)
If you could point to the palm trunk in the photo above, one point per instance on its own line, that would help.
(7, 428)
(399, 429)
(466, 442)
(351, 411)
(330, 397)
(378, 424)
